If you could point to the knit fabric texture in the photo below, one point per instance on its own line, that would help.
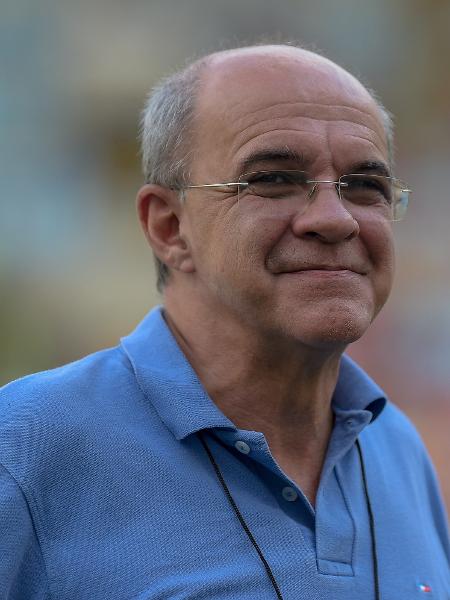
(107, 493)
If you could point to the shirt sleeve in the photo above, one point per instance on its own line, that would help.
(22, 568)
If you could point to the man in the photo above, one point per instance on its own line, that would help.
(227, 448)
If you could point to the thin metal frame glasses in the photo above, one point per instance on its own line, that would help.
(388, 196)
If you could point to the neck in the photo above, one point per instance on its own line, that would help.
(277, 387)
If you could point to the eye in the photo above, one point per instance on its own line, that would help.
(269, 177)
(366, 189)
(276, 177)
(275, 184)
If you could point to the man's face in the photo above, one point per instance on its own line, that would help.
(318, 276)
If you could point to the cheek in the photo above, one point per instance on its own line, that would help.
(257, 238)
(380, 246)
(239, 243)
(260, 234)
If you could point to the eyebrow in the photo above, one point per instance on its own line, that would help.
(374, 166)
(289, 155)
(270, 156)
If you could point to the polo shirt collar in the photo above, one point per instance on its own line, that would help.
(167, 379)
(355, 391)
(169, 382)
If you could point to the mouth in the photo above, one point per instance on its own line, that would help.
(325, 270)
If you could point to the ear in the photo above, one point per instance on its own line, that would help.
(160, 210)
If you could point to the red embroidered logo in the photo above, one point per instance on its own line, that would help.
(424, 588)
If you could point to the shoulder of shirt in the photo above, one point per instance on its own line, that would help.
(393, 418)
(394, 428)
(48, 416)
(46, 390)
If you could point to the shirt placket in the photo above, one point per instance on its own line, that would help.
(328, 530)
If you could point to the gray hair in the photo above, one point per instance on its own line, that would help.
(166, 133)
(166, 127)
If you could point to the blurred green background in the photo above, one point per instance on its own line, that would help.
(75, 272)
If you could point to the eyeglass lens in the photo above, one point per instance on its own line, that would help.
(376, 192)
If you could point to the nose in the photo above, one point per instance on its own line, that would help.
(325, 217)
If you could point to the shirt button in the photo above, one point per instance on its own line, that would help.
(289, 494)
(242, 447)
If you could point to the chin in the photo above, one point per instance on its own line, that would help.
(332, 328)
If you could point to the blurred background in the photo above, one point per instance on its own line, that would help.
(75, 271)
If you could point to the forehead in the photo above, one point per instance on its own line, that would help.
(250, 102)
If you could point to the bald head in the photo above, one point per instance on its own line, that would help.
(271, 59)
(181, 110)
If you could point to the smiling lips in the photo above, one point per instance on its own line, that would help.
(326, 268)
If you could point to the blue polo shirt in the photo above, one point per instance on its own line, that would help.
(106, 491)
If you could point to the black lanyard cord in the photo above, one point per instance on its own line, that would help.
(240, 517)
(371, 522)
(246, 528)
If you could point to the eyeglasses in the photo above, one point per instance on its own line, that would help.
(384, 195)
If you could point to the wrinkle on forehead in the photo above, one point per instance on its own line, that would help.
(323, 111)
(309, 124)
(266, 139)
(297, 132)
